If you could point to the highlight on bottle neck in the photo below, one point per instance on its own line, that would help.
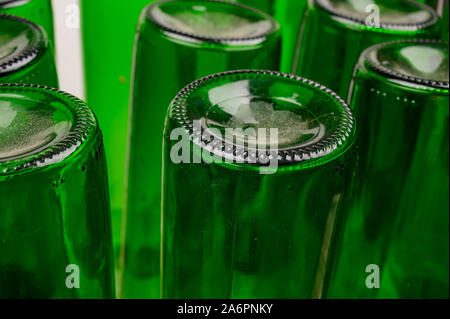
(40, 126)
(257, 119)
(395, 15)
(418, 63)
(4, 4)
(211, 21)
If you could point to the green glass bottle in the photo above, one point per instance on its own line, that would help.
(445, 21)
(256, 167)
(398, 220)
(107, 77)
(179, 42)
(37, 11)
(25, 56)
(289, 14)
(55, 230)
(337, 31)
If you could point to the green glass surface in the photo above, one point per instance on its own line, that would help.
(37, 11)
(445, 21)
(239, 228)
(54, 197)
(289, 14)
(107, 77)
(429, 2)
(268, 6)
(337, 31)
(179, 42)
(432, 3)
(399, 218)
(25, 56)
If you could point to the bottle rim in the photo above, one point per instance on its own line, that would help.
(216, 40)
(83, 129)
(385, 26)
(376, 66)
(12, 3)
(315, 154)
(19, 59)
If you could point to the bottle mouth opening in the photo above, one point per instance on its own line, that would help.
(21, 42)
(4, 4)
(212, 21)
(255, 117)
(40, 126)
(421, 62)
(396, 15)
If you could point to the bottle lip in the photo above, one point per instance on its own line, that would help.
(376, 66)
(216, 40)
(314, 154)
(34, 48)
(386, 26)
(12, 3)
(84, 128)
